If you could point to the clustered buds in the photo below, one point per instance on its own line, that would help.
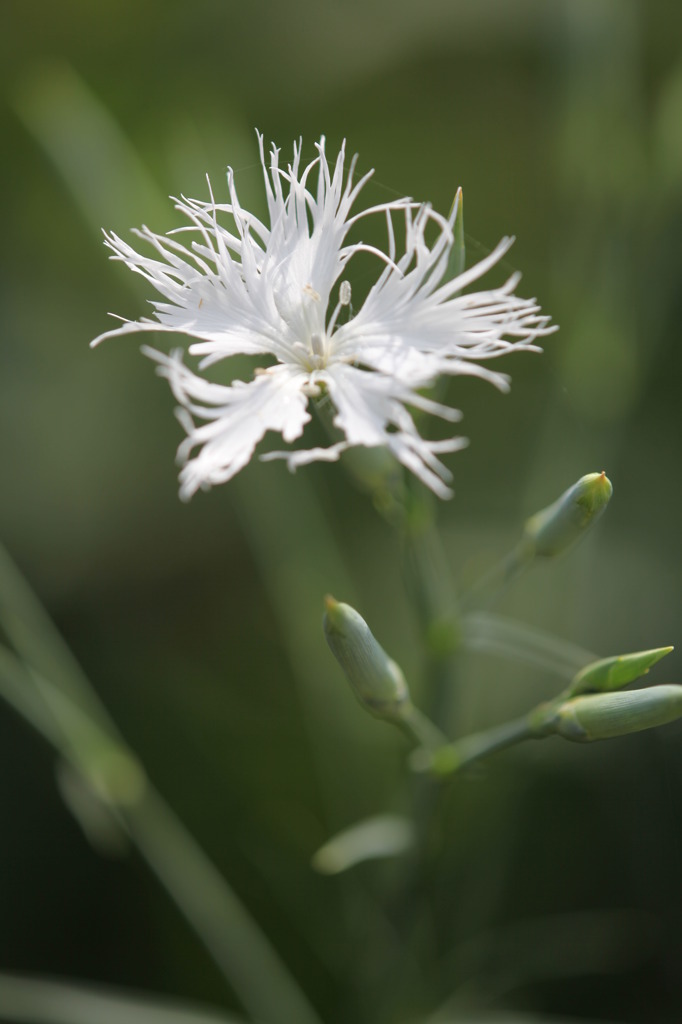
(593, 707)
(590, 709)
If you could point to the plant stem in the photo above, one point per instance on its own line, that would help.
(481, 744)
(421, 729)
(431, 592)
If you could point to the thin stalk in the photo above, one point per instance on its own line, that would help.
(482, 744)
(421, 729)
(431, 592)
(39, 644)
(536, 725)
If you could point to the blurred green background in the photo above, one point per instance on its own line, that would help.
(555, 883)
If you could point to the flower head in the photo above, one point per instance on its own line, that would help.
(278, 290)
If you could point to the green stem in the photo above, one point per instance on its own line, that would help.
(461, 753)
(481, 744)
(431, 592)
(421, 729)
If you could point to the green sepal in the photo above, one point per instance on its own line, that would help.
(616, 672)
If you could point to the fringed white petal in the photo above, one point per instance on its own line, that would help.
(371, 411)
(235, 418)
(304, 456)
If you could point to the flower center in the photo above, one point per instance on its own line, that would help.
(314, 354)
(318, 348)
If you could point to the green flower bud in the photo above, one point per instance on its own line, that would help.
(613, 673)
(553, 529)
(606, 715)
(375, 679)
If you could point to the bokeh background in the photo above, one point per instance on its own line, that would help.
(555, 881)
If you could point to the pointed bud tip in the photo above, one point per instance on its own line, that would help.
(333, 612)
(615, 672)
(596, 486)
(341, 619)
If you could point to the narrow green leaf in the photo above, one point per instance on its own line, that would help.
(39, 644)
(499, 635)
(382, 835)
(85, 144)
(17, 687)
(39, 1001)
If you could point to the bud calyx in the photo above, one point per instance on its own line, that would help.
(555, 528)
(375, 679)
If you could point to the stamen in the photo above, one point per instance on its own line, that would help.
(317, 344)
(343, 303)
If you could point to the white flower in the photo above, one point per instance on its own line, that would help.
(278, 290)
